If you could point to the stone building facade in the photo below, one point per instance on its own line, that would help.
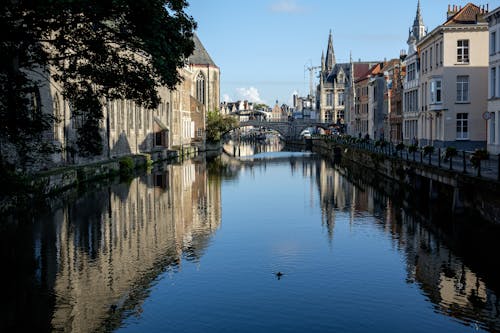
(336, 95)
(128, 128)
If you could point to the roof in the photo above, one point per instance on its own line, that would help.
(469, 14)
(374, 70)
(200, 55)
(336, 69)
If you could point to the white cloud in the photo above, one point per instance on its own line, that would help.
(287, 6)
(250, 94)
(226, 98)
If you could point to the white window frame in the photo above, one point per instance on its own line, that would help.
(463, 88)
(436, 91)
(463, 54)
(462, 126)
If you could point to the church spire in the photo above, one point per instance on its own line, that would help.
(418, 24)
(330, 55)
(322, 60)
(417, 31)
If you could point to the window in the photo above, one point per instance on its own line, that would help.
(493, 42)
(463, 88)
(493, 82)
(462, 126)
(411, 72)
(430, 58)
(437, 55)
(436, 92)
(341, 99)
(200, 88)
(463, 51)
(329, 99)
(441, 53)
(158, 139)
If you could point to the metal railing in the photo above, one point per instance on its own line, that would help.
(464, 162)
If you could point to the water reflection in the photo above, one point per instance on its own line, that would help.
(94, 259)
(92, 262)
(245, 148)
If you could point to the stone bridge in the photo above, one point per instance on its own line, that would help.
(288, 129)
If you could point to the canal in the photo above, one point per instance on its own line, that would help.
(266, 242)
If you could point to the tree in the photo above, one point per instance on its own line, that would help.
(218, 124)
(95, 50)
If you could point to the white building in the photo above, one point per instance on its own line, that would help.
(493, 19)
(453, 80)
(411, 83)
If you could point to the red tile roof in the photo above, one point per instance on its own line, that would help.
(469, 14)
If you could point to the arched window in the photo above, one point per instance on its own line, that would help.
(200, 88)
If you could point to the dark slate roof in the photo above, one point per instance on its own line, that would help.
(200, 55)
(333, 74)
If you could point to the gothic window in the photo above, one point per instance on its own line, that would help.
(200, 88)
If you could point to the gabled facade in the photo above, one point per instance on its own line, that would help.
(453, 80)
(335, 93)
(493, 19)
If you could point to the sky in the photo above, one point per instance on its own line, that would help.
(264, 47)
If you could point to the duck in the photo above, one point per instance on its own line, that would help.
(279, 275)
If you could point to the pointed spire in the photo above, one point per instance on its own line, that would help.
(322, 61)
(418, 16)
(418, 24)
(330, 55)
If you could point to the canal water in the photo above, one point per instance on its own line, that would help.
(266, 242)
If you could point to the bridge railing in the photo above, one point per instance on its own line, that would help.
(477, 163)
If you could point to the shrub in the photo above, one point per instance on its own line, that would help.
(400, 146)
(450, 152)
(126, 166)
(428, 150)
(412, 148)
(478, 156)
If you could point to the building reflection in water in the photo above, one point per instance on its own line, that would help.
(100, 254)
(93, 261)
(444, 278)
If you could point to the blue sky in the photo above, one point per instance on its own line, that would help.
(263, 46)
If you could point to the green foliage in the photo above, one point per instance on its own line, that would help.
(428, 150)
(478, 156)
(450, 152)
(412, 148)
(96, 50)
(218, 124)
(126, 166)
(400, 146)
(260, 106)
(380, 143)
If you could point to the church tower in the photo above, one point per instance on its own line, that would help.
(417, 32)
